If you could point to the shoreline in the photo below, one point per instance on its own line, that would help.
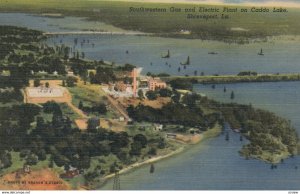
(282, 3)
(224, 79)
(134, 166)
(213, 132)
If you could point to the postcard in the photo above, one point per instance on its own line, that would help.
(149, 95)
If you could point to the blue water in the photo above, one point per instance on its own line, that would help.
(216, 164)
(231, 58)
(213, 164)
(143, 50)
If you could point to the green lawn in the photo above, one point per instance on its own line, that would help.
(67, 111)
(18, 163)
(88, 97)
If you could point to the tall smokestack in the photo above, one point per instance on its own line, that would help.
(134, 83)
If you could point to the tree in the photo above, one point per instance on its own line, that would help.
(136, 148)
(141, 138)
(60, 160)
(40, 123)
(152, 151)
(141, 94)
(51, 107)
(80, 106)
(164, 92)
(162, 144)
(195, 73)
(71, 81)
(5, 160)
(93, 124)
(57, 118)
(47, 84)
(42, 155)
(84, 162)
(64, 83)
(176, 97)
(31, 159)
(67, 167)
(51, 163)
(191, 100)
(36, 83)
(112, 168)
(181, 84)
(151, 95)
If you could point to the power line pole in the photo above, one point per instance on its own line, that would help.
(116, 185)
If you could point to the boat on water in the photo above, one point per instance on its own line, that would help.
(212, 53)
(227, 136)
(237, 130)
(187, 61)
(167, 55)
(261, 52)
(152, 168)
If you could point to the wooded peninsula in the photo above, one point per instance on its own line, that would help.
(47, 135)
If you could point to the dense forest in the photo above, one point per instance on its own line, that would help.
(24, 129)
(269, 135)
(42, 132)
(66, 146)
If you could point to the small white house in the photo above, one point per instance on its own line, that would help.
(158, 127)
(70, 73)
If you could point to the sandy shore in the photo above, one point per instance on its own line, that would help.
(206, 135)
(149, 161)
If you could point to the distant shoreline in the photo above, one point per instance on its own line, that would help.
(220, 79)
(289, 4)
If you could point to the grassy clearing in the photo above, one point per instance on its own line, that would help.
(67, 111)
(271, 157)
(19, 162)
(90, 95)
(213, 132)
(86, 95)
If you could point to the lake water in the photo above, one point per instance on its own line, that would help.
(231, 58)
(280, 56)
(216, 164)
(213, 164)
